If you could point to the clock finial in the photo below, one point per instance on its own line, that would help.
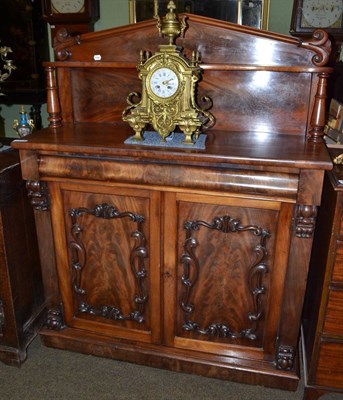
(170, 25)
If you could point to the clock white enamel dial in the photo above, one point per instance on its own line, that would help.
(322, 13)
(68, 6)
(164, 83)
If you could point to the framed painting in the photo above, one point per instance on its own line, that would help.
(252, 13)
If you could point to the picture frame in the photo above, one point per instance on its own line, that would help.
(254, 13)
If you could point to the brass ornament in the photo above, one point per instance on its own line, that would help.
(169, 80)
(338, 159)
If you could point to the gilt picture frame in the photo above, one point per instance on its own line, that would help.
(254, 13)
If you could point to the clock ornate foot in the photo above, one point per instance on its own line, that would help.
(188, 138)
(138, 127)
(138, 136)
(191, 130)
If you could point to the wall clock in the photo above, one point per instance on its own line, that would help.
(78, 16)
(309, 15)
(169, 82)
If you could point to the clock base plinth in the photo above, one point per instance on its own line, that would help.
(175, 140)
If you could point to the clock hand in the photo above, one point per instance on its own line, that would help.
(167, 81)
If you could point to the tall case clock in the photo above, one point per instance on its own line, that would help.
(309, 15)
(78, 16)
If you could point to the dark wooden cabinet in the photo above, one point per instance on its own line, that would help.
(21, 289)
(190, 259)
(323, 310)
(23, 30)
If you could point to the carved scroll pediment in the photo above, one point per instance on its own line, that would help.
(62, 43)
(321, 45)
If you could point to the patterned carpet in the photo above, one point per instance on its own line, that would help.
(62, 375)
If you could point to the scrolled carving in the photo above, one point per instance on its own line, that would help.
(110, 312)
(133, 99)
(305, 220)
(137, 256)
(55, 320)
(285, 358)
(38, 193)
(321, 45)
(257, 270)
(62, 40)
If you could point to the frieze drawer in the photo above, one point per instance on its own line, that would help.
(283, 185)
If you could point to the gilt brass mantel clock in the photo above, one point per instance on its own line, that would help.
(169, 82)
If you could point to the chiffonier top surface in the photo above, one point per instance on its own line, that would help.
(107, 140)
(267, 89)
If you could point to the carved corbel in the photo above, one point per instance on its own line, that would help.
(39, 195)
(55, 320)
(62, 41)
(305, 220)
(285, 358)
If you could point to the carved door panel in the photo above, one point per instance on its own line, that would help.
(108, 256)
(231, 260)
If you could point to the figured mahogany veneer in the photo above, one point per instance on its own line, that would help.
(191, 260)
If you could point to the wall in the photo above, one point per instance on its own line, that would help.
(280, 14)
(116, 12)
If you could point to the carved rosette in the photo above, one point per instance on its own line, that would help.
(39, 195)
(285, 358)
(137, 256)
(55, 320)
(305, 221)
(192, 268)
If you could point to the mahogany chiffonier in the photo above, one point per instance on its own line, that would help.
(323, 310)
(21, 289)
(190, 259)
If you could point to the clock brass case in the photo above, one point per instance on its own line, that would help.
(179, 109)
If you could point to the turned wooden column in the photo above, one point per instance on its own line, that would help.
(318, 113)
(53, 106)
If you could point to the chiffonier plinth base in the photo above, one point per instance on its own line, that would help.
(253, 372)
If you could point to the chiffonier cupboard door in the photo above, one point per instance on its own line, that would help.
(229, 272)
(108, 259)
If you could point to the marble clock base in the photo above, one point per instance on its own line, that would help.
(175, 139)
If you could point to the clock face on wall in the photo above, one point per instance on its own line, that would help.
(309, 15)
(67, 6)
(322, 13)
